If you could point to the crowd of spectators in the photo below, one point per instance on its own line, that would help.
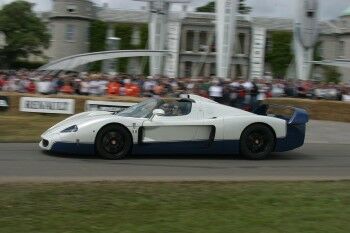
(238, 93)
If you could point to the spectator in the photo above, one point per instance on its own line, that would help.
(45, 86)
(94, 86)
(216, 91)
(84, 86)
(67, 88)
(113, 87)
(31, 88)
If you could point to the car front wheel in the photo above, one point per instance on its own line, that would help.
(257, 142)
(113, 142)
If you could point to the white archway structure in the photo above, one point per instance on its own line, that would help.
(338, 63)
(72, 62)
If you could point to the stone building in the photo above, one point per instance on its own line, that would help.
(69, 25)
(335, 41)
(191, 37)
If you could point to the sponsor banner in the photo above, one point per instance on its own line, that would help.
(173, 45)
(108, 106)
(226, 14)
(47, 105)
(346, 98)
(257, 57)
(4, 103)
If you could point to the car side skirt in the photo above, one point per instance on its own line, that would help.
(294, 139)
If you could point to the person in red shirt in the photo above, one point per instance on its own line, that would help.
(31, 88)
(67, 89)
(113, 87)
(135, 90)
(2, 82)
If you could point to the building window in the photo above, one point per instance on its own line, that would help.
(188, 69)
(310, 14)
(268, 45)
(70, 32)
(341, 49)
(189, 41)
(241, 43)
(72, 9)
(203, 42)
(212, 69)
(319, 51)
(213, 45)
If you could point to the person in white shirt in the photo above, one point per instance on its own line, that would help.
(84, 86)
(103, 85)
(44, 86)
(216, 91)
(94, 85)
(149, 84)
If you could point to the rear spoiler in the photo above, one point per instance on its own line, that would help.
(298, 116)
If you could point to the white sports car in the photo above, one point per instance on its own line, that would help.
(193, 125)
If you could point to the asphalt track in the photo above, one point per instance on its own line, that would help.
(325, 156)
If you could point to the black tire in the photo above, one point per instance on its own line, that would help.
(113, 142)
(257, 142)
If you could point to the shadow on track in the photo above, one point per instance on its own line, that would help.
(294, 155)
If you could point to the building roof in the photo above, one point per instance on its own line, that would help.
(346, 12)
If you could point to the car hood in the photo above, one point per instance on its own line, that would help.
(77, 119)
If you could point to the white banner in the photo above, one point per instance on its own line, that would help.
(346, 98)
(173, 45)
(226, 13)
(109, 106)
(257, 57)
(47, 105)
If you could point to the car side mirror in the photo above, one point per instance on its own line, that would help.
(157, 112)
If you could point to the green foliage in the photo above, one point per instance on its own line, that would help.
(280, 55)
(27, 65)
(98, 32)
(331, 74)
(25, 33)
(124, 32)
(210, 207)
(210, 7)
(317, 51)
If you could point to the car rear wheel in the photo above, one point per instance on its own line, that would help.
(113, 142)
(257, 142)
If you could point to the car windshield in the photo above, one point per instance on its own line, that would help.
(141, 110)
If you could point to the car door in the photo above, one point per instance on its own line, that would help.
(171, 128)
(189, 131)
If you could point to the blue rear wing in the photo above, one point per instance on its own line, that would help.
(299, 117)
(294, 116)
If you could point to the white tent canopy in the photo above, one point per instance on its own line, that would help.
(72, 62)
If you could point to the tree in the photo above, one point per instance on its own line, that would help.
(331, 74)
(25, 33)
(280, 55)
(98, 32)
(210, 7)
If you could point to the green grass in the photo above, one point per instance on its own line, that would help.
(320, 207)
(25, 127)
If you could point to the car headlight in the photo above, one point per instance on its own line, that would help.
(70, 129)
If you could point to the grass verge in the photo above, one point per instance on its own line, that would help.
(176, 207)
(25, 127)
